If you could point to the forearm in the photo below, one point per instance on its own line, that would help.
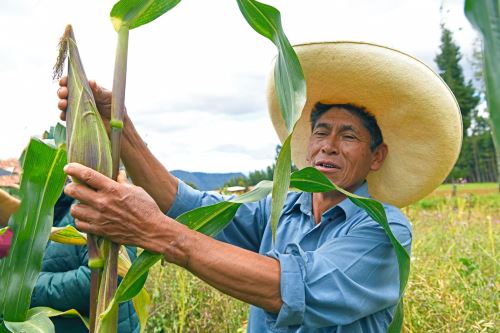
(145, 170)
(248, 276)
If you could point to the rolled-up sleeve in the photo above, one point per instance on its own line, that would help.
(347, 278)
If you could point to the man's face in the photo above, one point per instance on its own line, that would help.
(339, 147)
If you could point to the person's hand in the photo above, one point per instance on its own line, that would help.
(119, 211)
(102, 98)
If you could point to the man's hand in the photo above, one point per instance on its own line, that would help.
(119, 211)
(102, 98)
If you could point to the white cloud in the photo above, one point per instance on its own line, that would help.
(196, 76)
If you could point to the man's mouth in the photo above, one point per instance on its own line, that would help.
(327, 165)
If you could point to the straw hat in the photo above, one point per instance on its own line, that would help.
(8, 205)
(416, 111)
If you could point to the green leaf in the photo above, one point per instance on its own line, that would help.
(281, 183)
(37, 323)
(290, 88)
(60, 135)
(3, 230)
(485, 17)
(134, 13)
(41, 184)
(142, 303)
(49, 312)
(397, 322)
(68, 235)
(210, 219)
(311, 180)
(289, 79)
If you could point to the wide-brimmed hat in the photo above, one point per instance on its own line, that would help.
(8, 206)
(416, 111)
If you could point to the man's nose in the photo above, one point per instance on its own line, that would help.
(330, 146)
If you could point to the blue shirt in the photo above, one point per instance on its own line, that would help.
(340, 275)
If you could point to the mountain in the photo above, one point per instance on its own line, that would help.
(205, 181)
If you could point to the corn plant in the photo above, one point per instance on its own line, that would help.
(84, 122)
(485, 17)
(41, 184)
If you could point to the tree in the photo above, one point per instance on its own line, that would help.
(448, 62)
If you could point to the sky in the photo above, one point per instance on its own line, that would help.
(197, 75)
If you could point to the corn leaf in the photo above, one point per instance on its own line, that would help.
(60, 135)
(49, 312)
(281, 178)
(68, 235)
(3, 230)
(290, 87)
(134, 13)
(41, 184)
(485, 17)
(311, 180)
(142, 304)
(289, 78)
(141, 301)
(37, 323)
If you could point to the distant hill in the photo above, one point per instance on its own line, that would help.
(205, 181)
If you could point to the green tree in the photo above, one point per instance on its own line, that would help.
(448, 62)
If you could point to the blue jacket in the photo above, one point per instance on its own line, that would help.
(64, 281)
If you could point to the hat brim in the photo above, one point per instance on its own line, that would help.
(8, 206)
(417, 113)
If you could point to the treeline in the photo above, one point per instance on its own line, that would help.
(256, 176)
(477, 161)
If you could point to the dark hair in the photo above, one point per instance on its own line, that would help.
(367, 119)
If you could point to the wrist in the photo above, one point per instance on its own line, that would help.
(172, 240)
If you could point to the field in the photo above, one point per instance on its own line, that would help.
(453, 283)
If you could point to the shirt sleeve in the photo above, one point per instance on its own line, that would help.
(347, 278)
(246, 228)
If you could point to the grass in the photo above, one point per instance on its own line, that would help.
(453, 284)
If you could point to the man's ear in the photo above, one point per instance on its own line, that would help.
(379, 156)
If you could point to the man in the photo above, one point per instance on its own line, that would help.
(331, 268)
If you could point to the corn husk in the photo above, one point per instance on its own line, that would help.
(86, 137)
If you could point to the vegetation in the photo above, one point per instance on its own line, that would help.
(452, 286)
(477, 161)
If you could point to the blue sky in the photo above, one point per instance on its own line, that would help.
(196, 76)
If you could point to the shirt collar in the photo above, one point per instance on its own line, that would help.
(304, 202)
(349, 208)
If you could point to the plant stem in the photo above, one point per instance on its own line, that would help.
(110, 277)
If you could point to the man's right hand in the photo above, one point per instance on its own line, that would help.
(102, 98)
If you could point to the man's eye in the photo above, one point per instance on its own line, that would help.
(349, 137)
(320, 133)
